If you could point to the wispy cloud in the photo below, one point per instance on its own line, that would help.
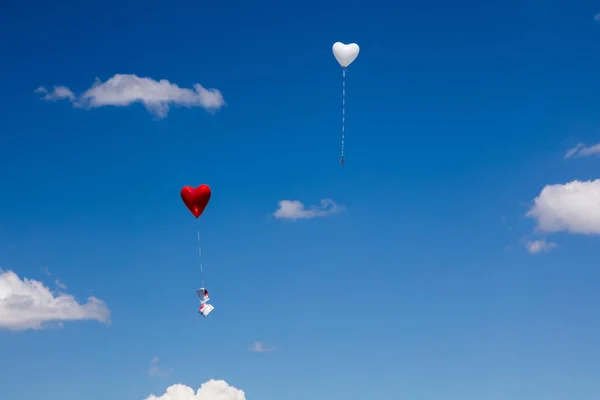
(573, 150)
(597, 17)
(259, 347)
(582, 151)
(156, 371)
(538, 246)
(28, 304)
(573, 207)
(60, 284)
(294, 209)
(125, 89)
(57, 93)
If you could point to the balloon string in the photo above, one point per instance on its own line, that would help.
(200, 255)
(343, 109)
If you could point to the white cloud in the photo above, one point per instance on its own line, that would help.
(211, 390)
(28, 304)
(294, 209)
(260, 347)
(597, 17)
(573, 207)
(582, 151)
(573, 150)
(124, 89)
(538, 246)
(589, 151)
(58, 93)
(155, 369)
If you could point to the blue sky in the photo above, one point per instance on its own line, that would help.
(458, 115)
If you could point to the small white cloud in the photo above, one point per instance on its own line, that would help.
(538, 246)
(155, 369)
(260, 347)
(573, 207)
(294, 209)
(582, 151)
(211, 390)
(124, 89)
(28, 304)
(573, 150)
(57, 93)
(597, 17)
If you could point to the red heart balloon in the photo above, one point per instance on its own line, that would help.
(196, 199)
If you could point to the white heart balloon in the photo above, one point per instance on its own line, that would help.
(345, 54)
